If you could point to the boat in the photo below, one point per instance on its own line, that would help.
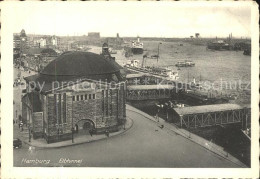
(219, 45)
(112, 51)
(137, 47)
(169, 74)
(247, 52)
(185, 63)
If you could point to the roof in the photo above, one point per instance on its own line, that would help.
(208, 108)
(80, 63)
(33, 51)
(49, 51)
(73, 66)
(136, 75)
(31, 78)
(149, 87)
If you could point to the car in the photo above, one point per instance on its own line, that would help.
(17, 143)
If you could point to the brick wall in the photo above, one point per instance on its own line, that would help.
(24, 110)
(52, 130)
(106, 110)
(37, 124)
(37, 121)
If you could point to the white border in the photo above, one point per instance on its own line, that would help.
(8, 171)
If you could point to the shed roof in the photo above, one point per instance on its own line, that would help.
(33, 51)
(135, 75)
(149, 87)
(208, 108)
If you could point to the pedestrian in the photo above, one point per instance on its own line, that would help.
(21, 126)
(90, 132)
(107, 133)
(20, 118)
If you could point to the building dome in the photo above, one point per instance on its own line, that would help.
(22, 33)
(71, 65)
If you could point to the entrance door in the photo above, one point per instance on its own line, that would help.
(87, 126)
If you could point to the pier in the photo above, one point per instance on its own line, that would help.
(211, 115)
(149, 92)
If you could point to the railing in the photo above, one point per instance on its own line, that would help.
(215, 118)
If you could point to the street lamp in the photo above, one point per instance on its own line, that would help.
(124, 121)
(158, 51)
(72, 131)
(58, 131)
(72, 125)
(29, 127)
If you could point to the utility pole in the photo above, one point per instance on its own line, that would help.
(158, 51)
(72, 125)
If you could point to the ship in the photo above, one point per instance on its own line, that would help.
(160, 72)
(185, 63)
(247, 52)
(219, 45)
(137, 47)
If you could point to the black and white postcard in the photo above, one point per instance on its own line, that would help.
(129, 89)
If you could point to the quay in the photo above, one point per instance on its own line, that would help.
(211, 115)
(148, 92)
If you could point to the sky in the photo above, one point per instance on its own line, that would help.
(133, 19)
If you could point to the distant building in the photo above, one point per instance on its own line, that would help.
(55, 41)
(20, 41)
(42, 42)
(46, 41)
(94, 35)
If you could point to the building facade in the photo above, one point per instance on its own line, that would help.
(82, 91)
(20, 41)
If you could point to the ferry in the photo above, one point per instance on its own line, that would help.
(137, 47)
(168, 74)
(185, 64)
(219, 45)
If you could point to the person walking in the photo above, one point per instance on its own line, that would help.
(91, 132)
(107, 133)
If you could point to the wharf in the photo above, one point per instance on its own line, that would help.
(189, 136)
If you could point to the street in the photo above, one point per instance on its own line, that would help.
(144, 145)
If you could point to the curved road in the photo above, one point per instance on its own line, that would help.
(144, 145)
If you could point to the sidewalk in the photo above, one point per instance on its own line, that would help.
(190, 136)
(41, 143)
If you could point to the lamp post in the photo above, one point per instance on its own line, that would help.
(158, 51)
(158, 114)
(29, 127)
(124, 121)
(72, 125)
(72, 131)
(58, 131)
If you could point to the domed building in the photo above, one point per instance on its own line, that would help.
(76, 93)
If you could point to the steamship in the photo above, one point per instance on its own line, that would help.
(137, 47)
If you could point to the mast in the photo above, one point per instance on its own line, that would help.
(158, 51)
(188, 76)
